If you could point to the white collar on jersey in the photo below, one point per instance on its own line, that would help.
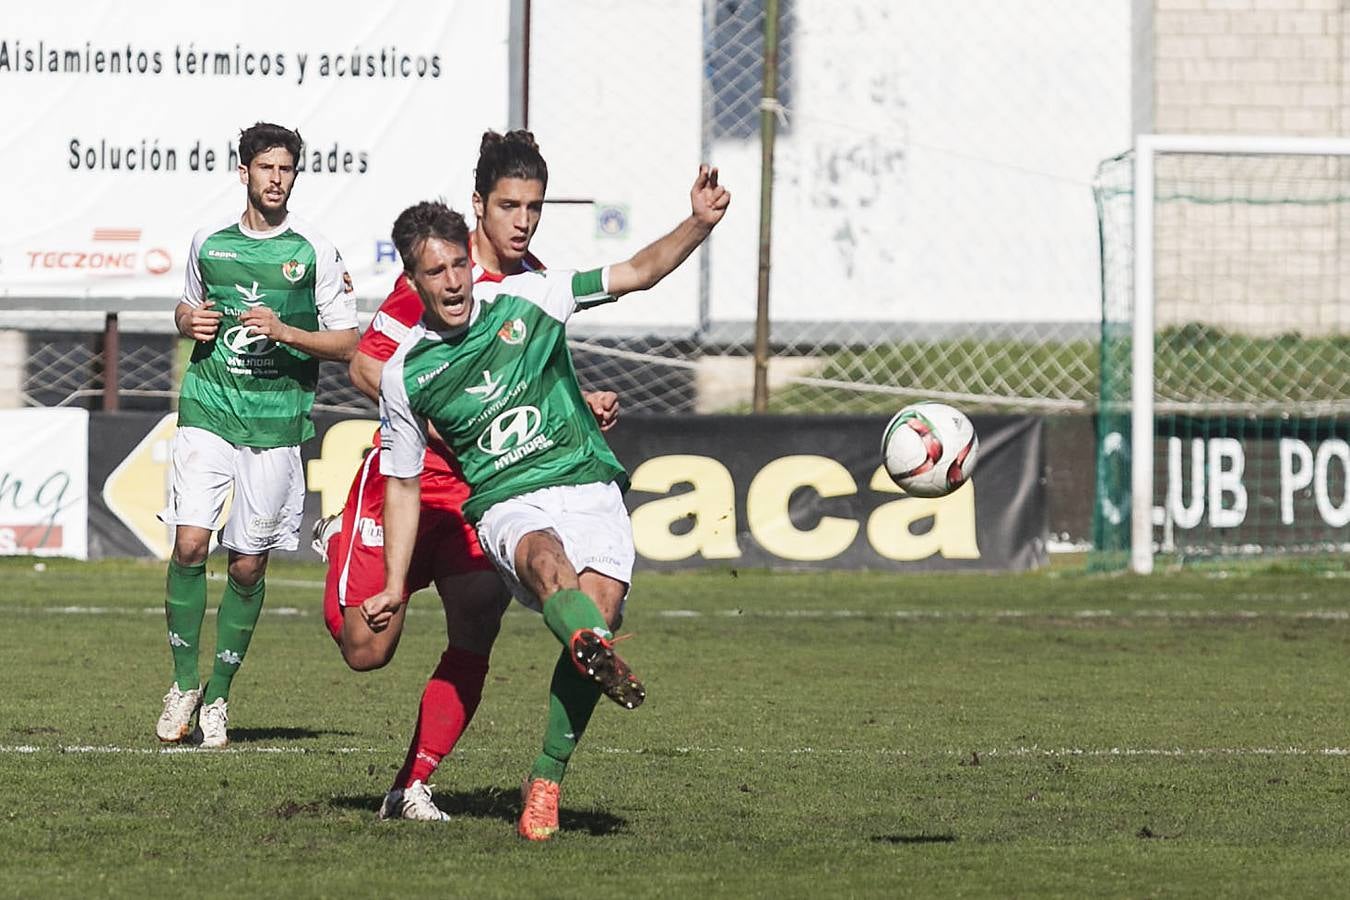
(264, 235)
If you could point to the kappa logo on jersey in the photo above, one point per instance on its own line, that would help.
(512, 332)
(489, 390)
(293, 270)
(243, 340)
(251, 296)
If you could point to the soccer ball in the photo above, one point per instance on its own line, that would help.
(929, 449)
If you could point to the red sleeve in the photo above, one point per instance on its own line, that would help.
(399, 312)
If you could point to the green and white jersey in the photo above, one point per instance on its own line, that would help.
(501, 392)
(242, 386)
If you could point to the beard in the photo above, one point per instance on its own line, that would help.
(259, 202)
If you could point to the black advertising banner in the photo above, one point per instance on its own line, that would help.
(772, 491)
(808, 492)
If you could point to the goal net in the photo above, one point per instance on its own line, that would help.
(1224, 403)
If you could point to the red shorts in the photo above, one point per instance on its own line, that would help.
(446, 543)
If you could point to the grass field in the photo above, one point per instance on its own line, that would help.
(1055, 734)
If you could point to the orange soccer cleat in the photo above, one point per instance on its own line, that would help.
(539, 818)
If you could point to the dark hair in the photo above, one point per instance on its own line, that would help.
(428, 219)
(264, 136)
(510, 155)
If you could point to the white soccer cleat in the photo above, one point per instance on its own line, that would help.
(211, 722)
(324, 529)
(175, 722)
(412, 802)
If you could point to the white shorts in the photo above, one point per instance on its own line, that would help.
(269, 491)
(589, 519)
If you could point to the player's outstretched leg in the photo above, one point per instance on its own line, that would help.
(184, 608)
(448, 703)
(576, 621)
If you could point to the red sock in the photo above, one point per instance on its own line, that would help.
(448, 704)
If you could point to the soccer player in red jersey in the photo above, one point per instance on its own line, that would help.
(510, 181)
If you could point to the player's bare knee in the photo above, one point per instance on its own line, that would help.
(247, 569)
(608, 595)
(189, 555)
(366, 656)
(191, 546)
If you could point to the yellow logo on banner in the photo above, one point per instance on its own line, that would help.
(330, 473)
(138, 489)
(702, 520)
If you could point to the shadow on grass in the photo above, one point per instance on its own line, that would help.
(251, 735)
(913, 839)
(496, 803)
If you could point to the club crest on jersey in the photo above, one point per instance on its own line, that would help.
(293, 270)
(512, 332)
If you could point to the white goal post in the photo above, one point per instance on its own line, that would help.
(1142, 411)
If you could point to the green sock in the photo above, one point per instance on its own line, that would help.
(571, 700)
(567, 612)
(184, 607)
(239, 611)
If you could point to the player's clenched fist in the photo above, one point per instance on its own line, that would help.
(604, 406)
(378, 611)
(199, 323)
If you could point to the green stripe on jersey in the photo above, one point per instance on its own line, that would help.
(246, 388)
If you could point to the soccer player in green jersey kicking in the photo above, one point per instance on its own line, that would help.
(264, 300)
(489, 367)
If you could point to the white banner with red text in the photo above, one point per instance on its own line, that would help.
(123, 123)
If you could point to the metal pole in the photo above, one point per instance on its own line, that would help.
(518, 76)
(526, 29)
(768, 111)
(110, 355)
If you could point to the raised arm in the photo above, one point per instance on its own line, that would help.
(708, 203)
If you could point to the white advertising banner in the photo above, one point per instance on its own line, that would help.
(122, 124)
(44, 482)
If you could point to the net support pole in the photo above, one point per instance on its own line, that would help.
(1141, 368)
(768, 112)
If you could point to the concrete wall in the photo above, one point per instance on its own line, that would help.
(1251, 67)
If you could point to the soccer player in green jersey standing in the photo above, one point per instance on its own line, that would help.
(491, 370)
(265, 301)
